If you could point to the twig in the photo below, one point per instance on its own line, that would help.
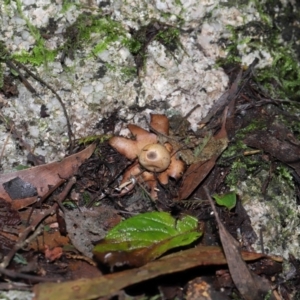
(24, 80)
(40, 200)
(5, 143)
(23, 236)
(70, 133)
(14, 274)
(145, 191)
(7, 286)
(81, 257)
(177, 128)
(9, 124)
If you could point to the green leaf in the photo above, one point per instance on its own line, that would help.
(228, 200)
(145, 237)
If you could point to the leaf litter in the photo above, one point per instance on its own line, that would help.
(46, 210)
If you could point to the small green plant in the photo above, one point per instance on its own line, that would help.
(86, 198)
(67, 4)
(92, 138)
(169, 37)
(128, 73)
(39, 54)
(134, 46)
(145, 237)
(285, 71)
(283, 173)
(81, 32)
(228, 200)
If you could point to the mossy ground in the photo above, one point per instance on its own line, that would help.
(276, 33)
(267, 190)
(97, 32)
(281, 79)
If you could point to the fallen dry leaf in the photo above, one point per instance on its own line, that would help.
(250, 285)
(38, 181)
(84, 289)
(82, 269)
(87, 226)
(196, 173)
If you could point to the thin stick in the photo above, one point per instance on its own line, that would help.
(70, 133)
(23, 236)
(5, 143)
(7, 286)
(14, 274)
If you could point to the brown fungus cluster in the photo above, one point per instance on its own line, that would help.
(153, 161)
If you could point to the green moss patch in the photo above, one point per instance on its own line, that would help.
(273, 35)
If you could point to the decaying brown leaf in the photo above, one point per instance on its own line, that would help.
(205, 162)
(250, 286)
(160, 123)
(194, 175)
(84, 289)
(35, 223)
(87, 226)
(40, 180)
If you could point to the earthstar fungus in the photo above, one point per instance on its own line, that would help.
(154, 161)
(155, 158)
